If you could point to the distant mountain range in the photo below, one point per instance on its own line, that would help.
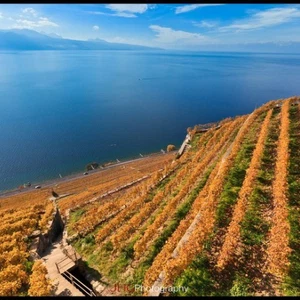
(24, 39)
(264, 47)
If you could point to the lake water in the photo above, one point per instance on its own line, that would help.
(60, 110)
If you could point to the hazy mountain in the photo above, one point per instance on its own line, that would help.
(52, 34)
(24, 39)
(271, 47)
(267, 47)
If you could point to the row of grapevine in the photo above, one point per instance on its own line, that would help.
(131, 208)
(98, 212)
(25, 225)
(245, 275)
(206, 154)
(13, 215)
(129, 228)
(207, 145)
(24, 201)
(40, 285)
(148, 208)
(278, 249)
(127, 213)
(107, 180)
(12, 279)
(93, 216)
(82, 197)
(162, 258)
(170, 208)
(291, 281)
(14, 255)
(47, 216)
(233, 233)
(206, 204)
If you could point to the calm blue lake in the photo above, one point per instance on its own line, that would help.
(60, 110)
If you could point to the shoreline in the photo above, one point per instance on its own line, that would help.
(77, 175)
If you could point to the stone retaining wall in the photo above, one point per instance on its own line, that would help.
(43, 240)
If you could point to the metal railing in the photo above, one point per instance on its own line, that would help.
(59, 264)
(77, 283)
(72, 256)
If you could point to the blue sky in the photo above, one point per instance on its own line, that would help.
(170, 26)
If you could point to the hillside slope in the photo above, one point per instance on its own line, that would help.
(27, 214)
(223, 219)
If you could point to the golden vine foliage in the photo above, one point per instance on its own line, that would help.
(17, 225)
(12, 215)
(109, 180)
(278, 248)
(163, 256)
(39, 283)
(25, 225)
(130, 209)
(100, 212)
(171, 207)
(118, 220)
(124, 232)
(188, 250)
(46, 216)
(12, 278)
(205, 203)
(233, 233)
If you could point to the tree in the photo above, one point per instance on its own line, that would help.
(171, 148)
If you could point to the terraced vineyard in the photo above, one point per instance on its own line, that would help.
(223, 219)
(17, 269)
(23, 214)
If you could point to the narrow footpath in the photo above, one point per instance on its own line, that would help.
(51, 256)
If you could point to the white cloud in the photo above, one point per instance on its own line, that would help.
(1, 16)
(120, 14)
(41, 22)
(29, 11)
(29, 19)
(190, 7)
(95, 27)
(167, 35)
(132, 8)
(262, 19)
(125, 10)
(206, 24)
(124, 14)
